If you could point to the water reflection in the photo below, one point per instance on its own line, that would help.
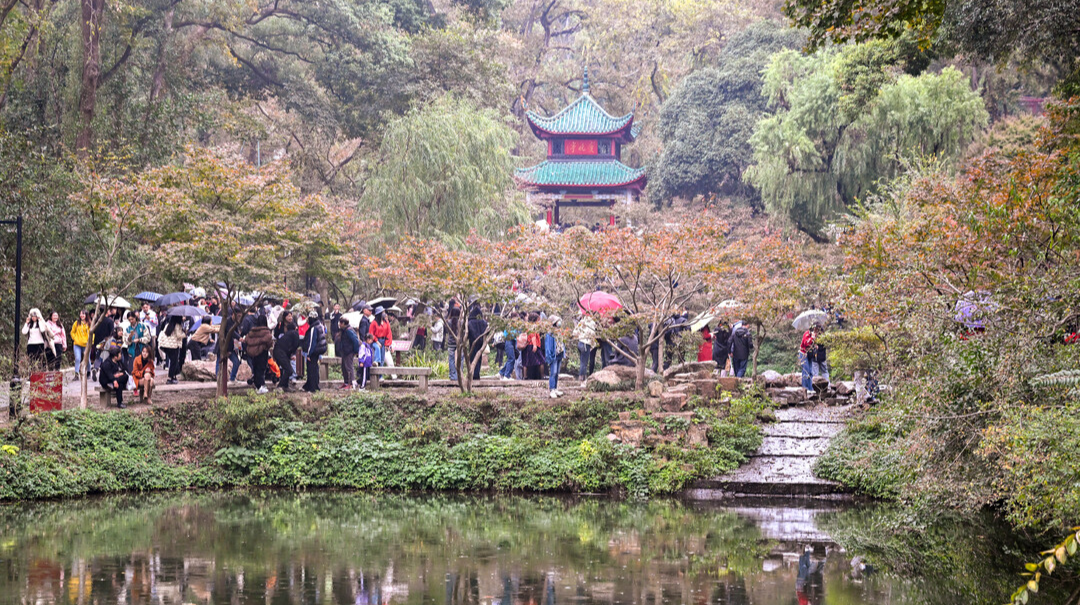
(363, 549)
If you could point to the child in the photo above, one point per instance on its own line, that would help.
(365, 358)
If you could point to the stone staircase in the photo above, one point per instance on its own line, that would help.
(783, 465)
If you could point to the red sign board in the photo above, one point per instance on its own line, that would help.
(580, 147)
(46, 391)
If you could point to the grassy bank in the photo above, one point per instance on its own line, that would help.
(363, 442)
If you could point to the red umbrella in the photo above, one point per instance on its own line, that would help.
(600, 302)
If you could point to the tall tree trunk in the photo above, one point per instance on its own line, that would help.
(92, 13)
(157, 83)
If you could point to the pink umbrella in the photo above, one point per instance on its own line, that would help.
(600, 302)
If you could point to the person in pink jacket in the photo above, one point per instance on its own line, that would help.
(59, 340)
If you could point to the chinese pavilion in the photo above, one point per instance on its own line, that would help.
(583, 167)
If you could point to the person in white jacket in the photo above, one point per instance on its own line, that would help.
(40, 341)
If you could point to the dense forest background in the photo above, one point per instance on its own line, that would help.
(405, 117)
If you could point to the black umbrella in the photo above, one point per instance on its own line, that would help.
(185, 311)
(174, 298)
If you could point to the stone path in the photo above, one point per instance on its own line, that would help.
(783, 465)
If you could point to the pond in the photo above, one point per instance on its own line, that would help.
(360, 548)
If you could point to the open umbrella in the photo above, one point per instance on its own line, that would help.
(185, 311)
(149, 297)
(385, 302)
(729, 304)
(353, 317)
(600, 302)
(108, 301)
(359, 306)
(701, 321)
(173, 299)
(245, 300)
(813, 317)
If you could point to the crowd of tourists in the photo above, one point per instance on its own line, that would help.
(127, 348)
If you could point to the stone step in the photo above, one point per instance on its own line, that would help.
(802, 430)
(817, 413)
(773, 475)
(792, 446)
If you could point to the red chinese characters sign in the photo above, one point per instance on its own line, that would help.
(45, 391)
(580, 147)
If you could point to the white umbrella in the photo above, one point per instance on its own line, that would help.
(701, 321)
(729, 304)
(109, 301)
(353, 317)
(813, 317)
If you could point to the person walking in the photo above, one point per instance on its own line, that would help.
(705, 350)
(285, 346)
(348, 346)
(741, 346)
(437, 334)
(477, 327)
(142, 370)
(721, 341)
(112, 376)
(509, 347)
(258, 342)
(314, 347)
(806, 354)
(819, 365)
(80, 338)
(554, 352)
(59, 341)
(585, 337)
(172, 342)
(39, 339)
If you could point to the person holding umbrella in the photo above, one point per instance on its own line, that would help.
(721, 337)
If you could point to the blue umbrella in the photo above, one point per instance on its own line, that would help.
(149, 297)
(215, 320)
(174, 298)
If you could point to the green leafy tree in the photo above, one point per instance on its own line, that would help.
(987, 29)
(707, 121)
(832, 138)
(444, 170)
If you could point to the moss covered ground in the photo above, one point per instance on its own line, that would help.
(363, 441)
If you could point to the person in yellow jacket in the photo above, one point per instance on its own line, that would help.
(80, 337)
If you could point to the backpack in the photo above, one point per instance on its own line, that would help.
(320, 343)
(522, 341)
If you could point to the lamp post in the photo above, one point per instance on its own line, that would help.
(15, 394)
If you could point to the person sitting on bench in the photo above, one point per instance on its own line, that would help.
(112, 376)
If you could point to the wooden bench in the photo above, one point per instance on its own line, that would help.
(324, 366)
(421, 373)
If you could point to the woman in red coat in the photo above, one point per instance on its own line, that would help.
(705, 350)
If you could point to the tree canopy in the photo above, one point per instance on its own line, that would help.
(834, 137)
(706, 123)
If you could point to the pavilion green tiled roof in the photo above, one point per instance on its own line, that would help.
(583, 116)
(580, 173)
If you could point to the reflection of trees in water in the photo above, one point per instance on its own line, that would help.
(367, 549)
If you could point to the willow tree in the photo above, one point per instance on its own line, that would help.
(444, 170)
(832, 139)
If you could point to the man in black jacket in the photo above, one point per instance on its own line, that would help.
(284, 349)
(741, 347)
(102, 333)
(314, 346)
(113, 376)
